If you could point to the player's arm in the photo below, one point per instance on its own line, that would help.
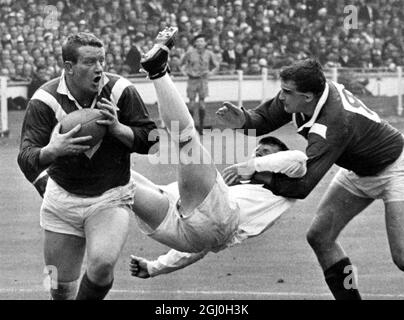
(267, 117)
(35, 134)
(322, 154)
(41, 143)
(135, 125)
(291, 163)
(171, 261)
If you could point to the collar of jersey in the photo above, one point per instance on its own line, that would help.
(63, 89)
(317, 110)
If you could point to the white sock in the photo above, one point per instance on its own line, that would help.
(173, 110)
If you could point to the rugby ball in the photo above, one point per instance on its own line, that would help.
(89, 126)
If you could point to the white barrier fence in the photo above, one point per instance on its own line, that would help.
(400, 91)
(240, 87)
(3, 107)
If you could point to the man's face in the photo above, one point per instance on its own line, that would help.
(200, 43)
(265, 149)
(230, 44)
(88, 70)
(293, 100)
(184, 42)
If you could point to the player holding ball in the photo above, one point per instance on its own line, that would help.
(85, 181)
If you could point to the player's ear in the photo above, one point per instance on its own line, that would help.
(309, 96)
(68, 65)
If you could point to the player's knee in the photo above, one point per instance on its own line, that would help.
(311, 238)
(101, 267)
(315, 238)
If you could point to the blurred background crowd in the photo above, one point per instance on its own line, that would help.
(244, 35)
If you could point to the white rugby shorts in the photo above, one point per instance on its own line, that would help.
(387, 185)
(66, 213)
(209, 226)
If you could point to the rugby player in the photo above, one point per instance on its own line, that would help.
(86, 205)
(201, 213)
(339, 130)
(259, 208)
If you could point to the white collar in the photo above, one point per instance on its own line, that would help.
(63, 89)
(317, 110)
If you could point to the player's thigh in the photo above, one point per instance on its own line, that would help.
(150, 204)
(106, 232)
(337, 207)
(65, 252)
(395, 230)
(196, 174)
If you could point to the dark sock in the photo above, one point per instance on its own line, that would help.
(91, 291)
(335, 278)
(201, 118)
(160, 73)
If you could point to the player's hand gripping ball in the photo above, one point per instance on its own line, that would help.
(89, 127)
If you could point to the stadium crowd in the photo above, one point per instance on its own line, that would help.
(247, 35)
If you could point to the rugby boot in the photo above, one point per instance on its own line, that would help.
(155, 61)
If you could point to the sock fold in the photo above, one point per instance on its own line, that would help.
(90, 291)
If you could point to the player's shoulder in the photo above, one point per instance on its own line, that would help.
(49, 87)
(46, 95)
(116, 79)
(118, 86)
(333, 113)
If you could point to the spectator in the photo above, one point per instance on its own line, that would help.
(366, 12)
(27, 73)
(198, 64)
(175, 64)
(332, 61)
(230, 56)
(135, 53)
(344, 58)
(39, 78)
(254, 67)
(249, 23)
(4, 72)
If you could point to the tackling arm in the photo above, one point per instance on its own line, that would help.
(266, 118)
(291, 163)
(173, 260)
(322, 154)
(260, 169)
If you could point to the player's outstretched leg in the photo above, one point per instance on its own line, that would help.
(197, 176)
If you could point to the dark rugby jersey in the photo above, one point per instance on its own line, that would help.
(109, 166)
(342, 130)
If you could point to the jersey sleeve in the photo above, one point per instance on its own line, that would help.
(134, 114)
(267, 117)
(173, 260)
(292, 163)
(322, 154)
(39, 121)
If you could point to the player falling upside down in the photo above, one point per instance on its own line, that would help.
(201, 213)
